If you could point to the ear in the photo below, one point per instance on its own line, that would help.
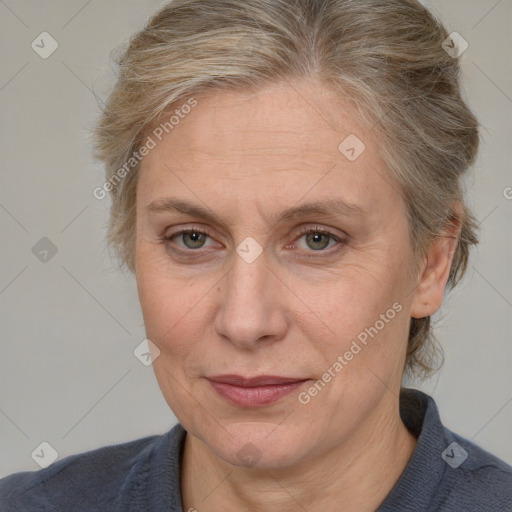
(435, 269)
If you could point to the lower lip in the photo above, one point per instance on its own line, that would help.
(255, 396)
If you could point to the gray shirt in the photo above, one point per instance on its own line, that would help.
(446, 473)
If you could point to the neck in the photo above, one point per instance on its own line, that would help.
(359, 474)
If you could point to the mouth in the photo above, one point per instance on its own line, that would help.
(256, 391)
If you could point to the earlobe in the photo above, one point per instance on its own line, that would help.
(435, 270)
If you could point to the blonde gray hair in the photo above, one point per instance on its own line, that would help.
(385, 57)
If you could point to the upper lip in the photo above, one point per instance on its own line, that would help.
(261, 380)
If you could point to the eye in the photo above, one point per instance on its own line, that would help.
(194, 239)
(191, 238)
(318, 239)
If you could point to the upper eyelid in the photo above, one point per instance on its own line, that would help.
(180, 231)
(301, 231)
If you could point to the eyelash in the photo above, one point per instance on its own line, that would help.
(304, 231)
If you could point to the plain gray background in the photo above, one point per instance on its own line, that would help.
(68, 375)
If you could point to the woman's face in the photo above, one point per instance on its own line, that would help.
(247, 292)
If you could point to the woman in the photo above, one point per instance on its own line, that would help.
(286, 187)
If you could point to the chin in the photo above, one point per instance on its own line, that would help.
(259, 445)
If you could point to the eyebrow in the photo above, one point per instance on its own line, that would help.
(326, 208)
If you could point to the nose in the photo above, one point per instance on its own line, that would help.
(251, 304)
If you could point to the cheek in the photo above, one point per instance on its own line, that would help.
(162, 304)
(175, 310)
(363, 311)
(370, 333)
(351, 299)
(176, 321)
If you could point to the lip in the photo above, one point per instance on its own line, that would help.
(260, 380)
(254, 391)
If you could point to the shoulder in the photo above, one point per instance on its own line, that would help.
(446, 472)
(474, 477)
(78, 482)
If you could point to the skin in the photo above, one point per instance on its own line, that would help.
(247, 156)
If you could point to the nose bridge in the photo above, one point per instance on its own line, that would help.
(249, 309)
(247, 274)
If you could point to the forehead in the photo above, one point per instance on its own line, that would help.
(288, 140)
(293, 117)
